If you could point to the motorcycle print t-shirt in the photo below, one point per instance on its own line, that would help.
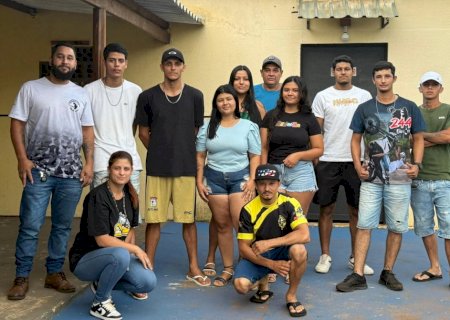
(387, 129)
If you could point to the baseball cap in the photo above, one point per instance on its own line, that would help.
(172, 53)
(431, 75)
(272, 60)
(267, 172)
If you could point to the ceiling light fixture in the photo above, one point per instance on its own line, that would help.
(345, 36)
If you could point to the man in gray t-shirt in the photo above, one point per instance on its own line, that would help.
(51, 120)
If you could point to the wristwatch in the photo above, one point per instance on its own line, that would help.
(419, 165)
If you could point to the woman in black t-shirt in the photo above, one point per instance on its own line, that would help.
(104, 251)
(291, 139)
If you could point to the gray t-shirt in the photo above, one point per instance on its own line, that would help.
(54, 116)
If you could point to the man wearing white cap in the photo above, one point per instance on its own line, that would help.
(431, 189)
(268, 92)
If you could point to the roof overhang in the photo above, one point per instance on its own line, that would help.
(152, 16)
(340, 9)
(324, 9)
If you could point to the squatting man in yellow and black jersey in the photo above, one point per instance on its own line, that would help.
(272, 236)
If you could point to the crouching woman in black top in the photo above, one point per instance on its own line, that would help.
(103, 251)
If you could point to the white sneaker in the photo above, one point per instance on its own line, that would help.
(324, 264)
(105, 310)
(367, 270)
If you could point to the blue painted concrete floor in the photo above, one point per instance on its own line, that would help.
(176, 298)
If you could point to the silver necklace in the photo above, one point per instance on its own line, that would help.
(107, 97)
(167, 97)
(115, 201)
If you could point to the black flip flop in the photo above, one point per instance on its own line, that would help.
(295, 305)
(430, 277)
(256, 298)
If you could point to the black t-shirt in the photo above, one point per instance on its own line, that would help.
(290, 134)
(171, 151)
(99, 217)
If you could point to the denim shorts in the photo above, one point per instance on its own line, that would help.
(217, 182)
(254, 272)
(396, 206)
(426, 196)
(300, 178)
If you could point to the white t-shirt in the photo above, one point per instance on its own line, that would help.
(337, 107)
(54, 116)
(114, 110)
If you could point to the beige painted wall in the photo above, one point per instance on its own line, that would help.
(235, 32)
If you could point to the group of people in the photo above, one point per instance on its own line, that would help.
(260, 160)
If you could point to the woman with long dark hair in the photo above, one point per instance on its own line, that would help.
(232, 146)
(291, 139)
(104, 251)
(242, 81)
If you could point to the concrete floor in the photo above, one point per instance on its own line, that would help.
(176, 298)
(40, 302)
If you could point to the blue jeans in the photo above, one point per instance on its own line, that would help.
(65, 194)
(426, 196)
(115, 269)
(254, 272)
(396, 206)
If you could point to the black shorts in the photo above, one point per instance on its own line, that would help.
(330, 176)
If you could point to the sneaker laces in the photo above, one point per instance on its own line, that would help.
(352, 275)
(109, 306)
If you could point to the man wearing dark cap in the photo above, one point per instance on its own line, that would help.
(268, 92)
(430, 192)
(272, 235)
(169, 115)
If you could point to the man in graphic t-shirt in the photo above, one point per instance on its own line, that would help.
(169, 116)
(51, 120)
(387, 123)
(334, 108)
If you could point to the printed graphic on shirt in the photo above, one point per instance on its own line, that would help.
(122, 227)
(298, 214)
(388, 146)
(286, 124)
(281, 222)
(345, 102)
(55, 155)
(74, 105)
